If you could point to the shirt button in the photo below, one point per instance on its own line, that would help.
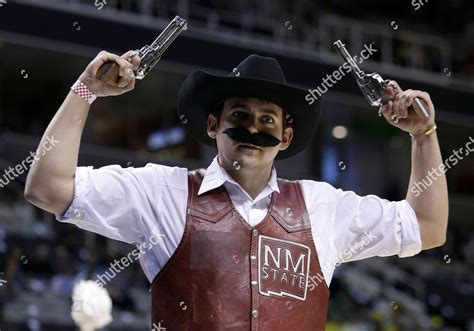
(254, 282)
(254, 313)
(255, 232)
(253, 257)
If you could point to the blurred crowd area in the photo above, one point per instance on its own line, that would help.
(42, 259)
(452, 20)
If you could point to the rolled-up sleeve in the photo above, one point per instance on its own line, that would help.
(409, 230)
(112, 201)
(371, 226)
(350, 227)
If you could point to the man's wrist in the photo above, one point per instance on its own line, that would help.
(83, 91)
(423, 139)
(430, 129)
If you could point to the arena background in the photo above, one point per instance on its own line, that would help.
(45, 45)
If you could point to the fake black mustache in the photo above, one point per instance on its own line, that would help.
(243, 136)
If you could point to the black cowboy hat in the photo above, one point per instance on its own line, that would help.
(255, 77)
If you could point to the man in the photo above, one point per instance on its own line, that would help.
(239, 249)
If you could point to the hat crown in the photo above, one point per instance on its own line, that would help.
(260, 67)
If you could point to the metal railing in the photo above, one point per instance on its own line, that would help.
(416, 56)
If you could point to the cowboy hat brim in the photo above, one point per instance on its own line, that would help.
(201, 92)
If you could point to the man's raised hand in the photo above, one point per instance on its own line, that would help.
(126, 81)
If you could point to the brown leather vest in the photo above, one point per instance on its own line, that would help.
(227, 275)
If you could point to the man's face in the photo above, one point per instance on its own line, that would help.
(254, 115)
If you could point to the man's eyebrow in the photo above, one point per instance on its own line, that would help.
(239, 104)
(268, 110)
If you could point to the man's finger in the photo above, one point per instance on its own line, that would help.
(402, 106)
(390, 91)
(419, 99)
(126, 55)
(130, 86)
(396, 104)
(387, 110)
(127, 76)
(395, 86)
(123, 65)
(388, 94)
(134, 60)
(102, 58)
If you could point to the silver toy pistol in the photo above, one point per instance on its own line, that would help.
(372, 85)
(149, 54)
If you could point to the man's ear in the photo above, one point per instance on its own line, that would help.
(212, 126)
(286, 138)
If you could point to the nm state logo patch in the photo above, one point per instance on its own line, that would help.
(283, 267)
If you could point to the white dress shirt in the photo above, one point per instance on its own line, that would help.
(132, 204)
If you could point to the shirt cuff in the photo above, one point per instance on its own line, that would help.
(76, 209)
(410, 230)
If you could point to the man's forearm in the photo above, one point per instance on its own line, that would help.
(50, 181)
(428, 190)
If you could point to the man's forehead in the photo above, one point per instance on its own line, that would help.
(243, 100)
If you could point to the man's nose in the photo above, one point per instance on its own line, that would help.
(252, 129)
(252, 124)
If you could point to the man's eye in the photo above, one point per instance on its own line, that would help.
(238, 114)
(268, 119)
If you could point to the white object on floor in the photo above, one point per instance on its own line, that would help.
(91, 307)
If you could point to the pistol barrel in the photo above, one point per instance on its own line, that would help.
(341, 49)
(169, 34)
(152, 54)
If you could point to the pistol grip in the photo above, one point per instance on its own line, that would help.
(109, 71)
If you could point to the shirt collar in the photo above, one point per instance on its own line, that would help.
(216, 175)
